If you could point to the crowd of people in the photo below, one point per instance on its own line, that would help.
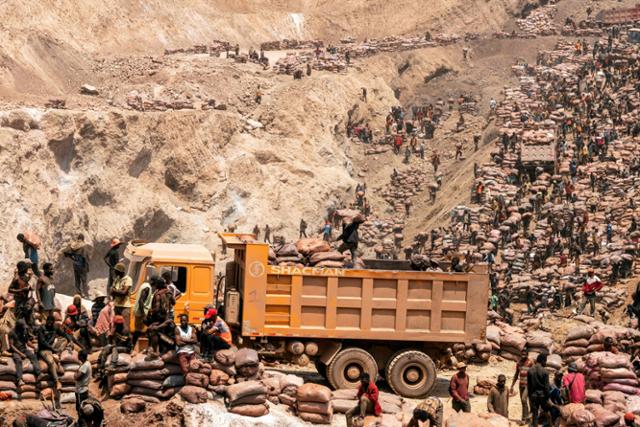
(34, 327)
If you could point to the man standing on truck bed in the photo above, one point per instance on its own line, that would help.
(367, 400)
(350, 237)
(459, 389)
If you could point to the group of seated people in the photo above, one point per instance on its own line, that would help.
(34, 330)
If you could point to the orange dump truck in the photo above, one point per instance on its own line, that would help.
(348, 321)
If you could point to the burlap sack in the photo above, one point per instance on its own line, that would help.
(462, 419)
(310, 392)
(341, 406)
(250, 410)
(254, 399)
(315, 407)
(225, 357)
(160, 394)
(7, 385)
(582, 418)
(326, 256)
(194, 394)
(28, 395)
(314, 418)
(140, 364)
(218, 377)
(150, 384)
(290, 381)
(312, 246)
(119, 390)
(69, 357)
(133, 406)
(7, 367)
(345, 394)
(173, 381)
(593, 396)
(288, 400)
(196, 379)
(200, 367)
(245, 357)
(272, 385)
(244, 389)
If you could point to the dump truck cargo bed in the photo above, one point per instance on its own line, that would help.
(336, 303)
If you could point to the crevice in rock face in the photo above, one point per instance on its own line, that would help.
(151, 226)
(99, 197)
(140, 163)
(64, 152)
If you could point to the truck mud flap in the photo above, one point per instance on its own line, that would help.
(329, 351)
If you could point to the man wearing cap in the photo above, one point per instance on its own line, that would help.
(459, 389)
(77, 325)
(185, 340)
(111, 258)
(574, 383)
(591, 285)
(121, 292)
(216, 334)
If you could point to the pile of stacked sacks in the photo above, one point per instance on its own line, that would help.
(313, 403)
(70, 364)
(156, 377)
(510, 342)
(117, 373)
(306, 252)
(248, 398)
(8, 378)
(223, 371)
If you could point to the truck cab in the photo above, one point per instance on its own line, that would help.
(192, 268)
(634, 35)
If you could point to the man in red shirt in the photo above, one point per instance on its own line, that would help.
(459, 389)
(367, 400)
(589, 289)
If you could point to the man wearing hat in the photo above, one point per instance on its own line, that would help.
(112, 258)
(459, 389)
(121, 292)
(574, 383)
(216, 334)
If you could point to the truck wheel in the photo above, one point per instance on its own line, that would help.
(411, 373)
(345, 369)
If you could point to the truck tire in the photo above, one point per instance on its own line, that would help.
(411, 373)
(345, 369)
